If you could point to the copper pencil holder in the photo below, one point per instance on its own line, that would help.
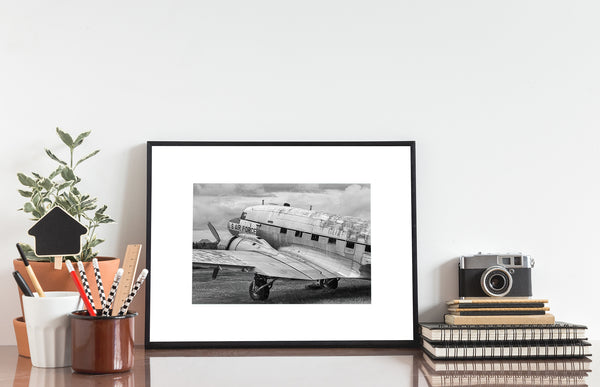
(102, 344)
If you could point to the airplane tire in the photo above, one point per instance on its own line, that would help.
(331, 283)
(259, 295)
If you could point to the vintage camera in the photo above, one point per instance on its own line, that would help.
(495, 275)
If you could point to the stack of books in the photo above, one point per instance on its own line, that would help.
(505, 354)
(502, 310)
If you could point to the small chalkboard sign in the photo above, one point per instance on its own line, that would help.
(57, 234)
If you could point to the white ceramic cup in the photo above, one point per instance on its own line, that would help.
(49, 328)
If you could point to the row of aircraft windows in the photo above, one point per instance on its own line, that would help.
(315, 237)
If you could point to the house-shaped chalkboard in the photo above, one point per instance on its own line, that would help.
(57, 234)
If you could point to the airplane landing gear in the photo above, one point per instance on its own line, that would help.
(259, 288)
(329, 283)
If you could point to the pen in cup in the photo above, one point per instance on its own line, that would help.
(85, 284)
(136, 287)
(30, 272)
(99, 283)
(113, 291)
(88, 305)
(22, 284)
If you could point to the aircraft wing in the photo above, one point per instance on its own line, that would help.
(338, 265)
(271, 263)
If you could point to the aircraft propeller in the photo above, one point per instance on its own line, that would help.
(213, 230)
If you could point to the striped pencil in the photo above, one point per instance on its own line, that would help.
(82, 294)
(99, 282)
(85, 284)
(136, 287)
(111, 294)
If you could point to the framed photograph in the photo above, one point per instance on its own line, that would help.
(269, 244)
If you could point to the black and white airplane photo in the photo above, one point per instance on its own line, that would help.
(281, 243)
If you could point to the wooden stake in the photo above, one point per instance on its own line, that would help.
(58, 263)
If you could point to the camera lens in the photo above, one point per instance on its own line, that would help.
(496, 281)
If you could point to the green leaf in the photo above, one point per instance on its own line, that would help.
(26, 248)
(36, 214)
(65, 137)
(54, 157)
(37, 175)
(80, 138)
(106, 220)
(88, 205)
(47, 184)
(55, 173)
(35, 199)
(67, 174)
(25, 194)
(72, 199)
(96, 242)
(26, 180)
(94, 153)
(63, 186)
(28, 207)
(62, 202)
(101, 210)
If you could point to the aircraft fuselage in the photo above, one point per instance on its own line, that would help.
(344, 241)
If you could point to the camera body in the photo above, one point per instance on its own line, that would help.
(494, 275)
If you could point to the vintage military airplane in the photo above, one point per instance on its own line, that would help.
(274, 241)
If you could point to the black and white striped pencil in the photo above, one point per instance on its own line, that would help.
(85, 284)
(111, 294)
(99, 282)
(136, 287)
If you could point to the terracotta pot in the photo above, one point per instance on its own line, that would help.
(21, 335)
(60, 280)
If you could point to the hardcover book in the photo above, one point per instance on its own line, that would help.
(542, 319)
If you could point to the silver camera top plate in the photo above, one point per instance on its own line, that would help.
(483, 261)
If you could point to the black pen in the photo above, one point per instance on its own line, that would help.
(22, 284)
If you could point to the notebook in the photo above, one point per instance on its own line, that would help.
(506, 349)
(556, 331)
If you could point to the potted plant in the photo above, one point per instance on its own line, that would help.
(60, 188)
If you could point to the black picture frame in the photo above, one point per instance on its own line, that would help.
(156, 342)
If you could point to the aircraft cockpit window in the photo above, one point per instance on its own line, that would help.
(349, 245)
(367, 248)
(314, 237)
(331, 241)
(243, 216)
(298, 234)
(283, 230)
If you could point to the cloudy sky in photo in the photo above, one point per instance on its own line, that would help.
(218, 203)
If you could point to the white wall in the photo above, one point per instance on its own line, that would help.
(502, 98)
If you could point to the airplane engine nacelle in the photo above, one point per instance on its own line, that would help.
(224, 243)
